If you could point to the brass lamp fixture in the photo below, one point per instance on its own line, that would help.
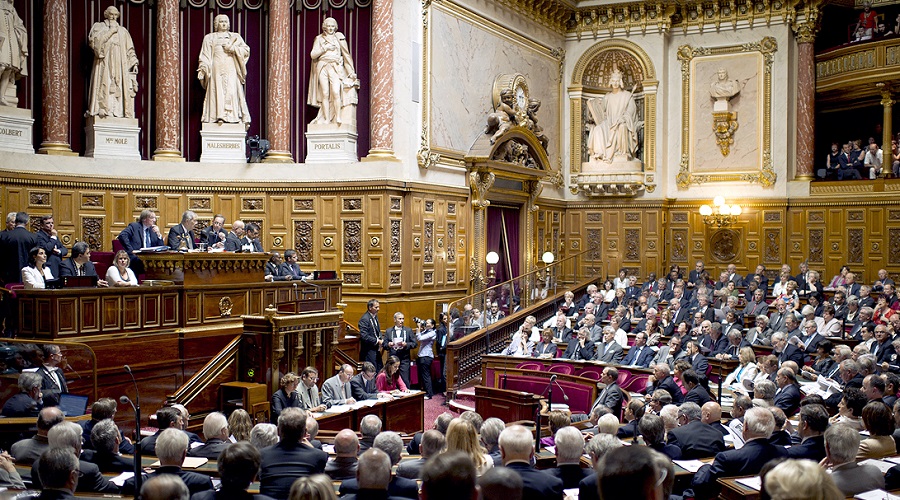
(492, 259)
(721, 214)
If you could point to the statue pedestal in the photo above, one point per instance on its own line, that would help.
(720, 106)
(15, 130)
(330, 144)
(112, 138)
(621, 177)
(223, 143)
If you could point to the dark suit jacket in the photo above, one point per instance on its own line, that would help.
(699, 363)
(669, 450)
(91, 479)
(743, 462)
(49, 388)
(257, 246)
(792, 353)
(177, 234)
(108, 462)
(132, 238)
(645, 357)
(788, 399)
(668, 384)
(14, 248)
(210, 449)
(340, 468)
(369, 332)
(209, 237)
(573, 351)
(588, 488)
(537, 484)
(56, 495)
(697, 440)
(68, 268)
(283, 462)
(88, 425)
(195, 482)
(292, 270)
(398, 487)
(49, 245)
(228, 494)
(884, 351)
(278, 272)
(812, 448)
(407, 336)
(610, 397)
(614, 354)
(232, 242)
(21, 405)
(362, 389)
(570, 474)
(280, 401)
(697, 395)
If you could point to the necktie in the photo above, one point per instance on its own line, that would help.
(146, 237)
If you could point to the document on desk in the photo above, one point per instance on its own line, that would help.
(121, 478)
(754, 483)
(881, 464)
(365, 403)
(876, 495)
(338, 409)
(689, 465)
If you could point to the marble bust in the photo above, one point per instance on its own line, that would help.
(13, 51)
(333, 85)
(114, 75)
(722, 88)
(223, 73)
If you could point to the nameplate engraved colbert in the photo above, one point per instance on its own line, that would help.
(117, 140)
(225, 145)
(10, 132)
(329, 146)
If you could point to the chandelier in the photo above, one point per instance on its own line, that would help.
(721, 214)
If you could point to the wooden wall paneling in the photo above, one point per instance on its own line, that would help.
(226, 204)
(89, 314)
(64, 208)
(110, 307)
(170, 212)
(192, 308)
(120, 211)
(16, 200)
(278, 212)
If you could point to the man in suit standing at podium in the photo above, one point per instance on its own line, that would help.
(370, 335)
(400, 340)
(183, 234)
(141, 234)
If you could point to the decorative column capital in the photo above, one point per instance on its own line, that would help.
(885, 90)
(480, 182)
(805, 32)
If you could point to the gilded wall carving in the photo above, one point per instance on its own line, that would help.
(92, 200)
(594, 217)
(142, 202)
(395, 241)
(428, 250)
(351, 204)
(725, 245)
(92, 232)
(451, 208)
(894, 252)
(773, 246)
(199, 203)
(816, 245)
(854, 245)
(352, 240)
(303, 204)
(632, 244)
(451, 237)
(253, 204)
(428, 277)
(39, 199)
(303, 240)
(679, 245)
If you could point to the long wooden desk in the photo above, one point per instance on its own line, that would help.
(406, 415)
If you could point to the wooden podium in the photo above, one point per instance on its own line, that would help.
(509, 406)
(205, 268)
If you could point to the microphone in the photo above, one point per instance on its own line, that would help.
(565, 397)
(136, 406)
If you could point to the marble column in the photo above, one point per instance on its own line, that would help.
(168, 88)
(806, 100)
(381, 112)
(55, 74)
(886, 129)
(278, 111)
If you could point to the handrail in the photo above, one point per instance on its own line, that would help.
(463, 355)
(92, 356)
(206, 375)
(542, 281)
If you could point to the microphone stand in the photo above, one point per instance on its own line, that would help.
(537, 414)
(138, 478)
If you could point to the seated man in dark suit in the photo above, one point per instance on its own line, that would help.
(214, 234)
(346, 456)
(373, 476)
(813, 423)
(632, 471)
(233, 237)
(68, 435)
(661, 379)
(171, 449)
(517, 450)
(758, 426)
(696, 393)
(597, 448)
(79, 264)
(165, 417)
(102, 409)
(611, 396)
(362, 385)
(788, 396)
(215, 430)
(569, 448)
(392, 445)
(250, 240)
(238, 465)
(698, 361)
(106, 438)
(141, 234)
(696, 439)
(609, 351)
(580, 347)
(653, 431)
(290, 458)
(28, 401)
(182, 236)
(786, 351)
(60, 473)
(290, 265)
(26, 451)
(639, 354)
(432, 444)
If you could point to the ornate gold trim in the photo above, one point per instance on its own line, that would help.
(766, 176)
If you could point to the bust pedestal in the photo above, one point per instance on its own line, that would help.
(15, 130)
(112, 138)
(331, 144)
(223, 143)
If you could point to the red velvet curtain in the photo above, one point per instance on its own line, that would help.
(503, 238)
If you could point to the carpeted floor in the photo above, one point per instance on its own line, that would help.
(433, 408)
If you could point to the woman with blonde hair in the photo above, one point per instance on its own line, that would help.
(744, 374)
(119, 274)
(796, 479)
(461, 437)
(287, 396)
(315, 487)
(240, 425)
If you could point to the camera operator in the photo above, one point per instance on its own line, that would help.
(425, 334)
(400, 340)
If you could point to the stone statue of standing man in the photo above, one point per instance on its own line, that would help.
(114, 76)
(615, 133)
(333, 83)
(223, 73)
(13, 51)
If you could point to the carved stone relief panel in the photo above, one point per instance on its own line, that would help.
(352, 278)
(428, 256)
(451, 236)
(541, 216)
(92, 232)
(451, 208)
(428, 279)
(632, 244)
(725, 245)
(893, 214)
(773, 246)
(855, 215)
(679, 245)
(303, 240)
(555, 243)
(34, 223)
(595, 217)
(451, 277)
(816, 216)
(352, 204)
(39, 199)
(395, 241)
(352, 240)
(855, 246)
(145, 201)
(771, 216)
(303, 204)
(91, 200)
(632, 217)
(816, 245)
(395, 204)
(395, 278)
(253, 204)
(429, 206)
(199, 203)
(679, 217)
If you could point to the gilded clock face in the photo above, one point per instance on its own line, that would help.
(521, 97)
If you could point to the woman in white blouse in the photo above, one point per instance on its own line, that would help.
(119, 274)
(745, 372)
(35, 275)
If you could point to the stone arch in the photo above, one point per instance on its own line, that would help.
(607, 45)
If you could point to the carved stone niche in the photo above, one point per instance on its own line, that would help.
(613, 184)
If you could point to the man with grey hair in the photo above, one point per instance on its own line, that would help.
(165, 487)
(392, 445)
(336, 390)
(346, 453)
(841, 448)
(569, 448)
(233, 238)
(289, 458)
(106, 439)
(373, 475)
(171, 449)
(490, 438)
(669, 415)
(432, 444)
(215, 430)
(67, 435)
(28, 401)
(609, 351)
(26, 451)
(182, 235)
(696, 439)
(369, 427)
(143, 233)
(748, 460)
(517, 452)
(441, 422)
(764, 393)
(60, 472)
(597, 448)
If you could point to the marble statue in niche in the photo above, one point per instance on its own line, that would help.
(114, 75)
(13, 52)
(615, 131)
(223, 73)
(333, 84)
(722, 89)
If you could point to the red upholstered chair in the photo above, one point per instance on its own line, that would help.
(117, 245)
(564, 369)
(531, 365)
(590, 373)
(637, 382)
(102, 261)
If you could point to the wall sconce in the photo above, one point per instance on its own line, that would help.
(723, 215)
(492, 259)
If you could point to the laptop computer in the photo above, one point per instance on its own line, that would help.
(79, 281)
(73, 405)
